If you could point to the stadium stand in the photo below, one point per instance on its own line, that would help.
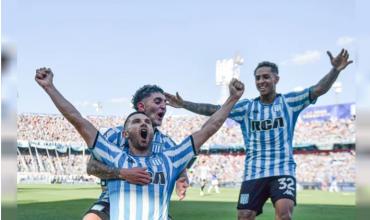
(51, 151)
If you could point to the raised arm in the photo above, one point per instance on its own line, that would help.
(44, 77)
(339, 63)
(218, 118)
(198, 108)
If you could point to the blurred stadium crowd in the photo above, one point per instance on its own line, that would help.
(51, 151)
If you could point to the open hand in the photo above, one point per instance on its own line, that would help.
(340, 62)
(174, 101)
(181, 186)
(136, 175)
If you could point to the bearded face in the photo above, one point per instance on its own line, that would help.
(139, 131)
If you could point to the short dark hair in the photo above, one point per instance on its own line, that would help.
(273, 66)
(145, 92)
(129, 116)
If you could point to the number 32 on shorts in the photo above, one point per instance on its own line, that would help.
(286, 183)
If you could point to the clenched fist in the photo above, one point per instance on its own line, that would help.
(44, 77)
(236, 88)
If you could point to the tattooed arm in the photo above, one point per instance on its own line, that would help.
(198, 108)
(339, 63)
(98, 169)
(136, 175)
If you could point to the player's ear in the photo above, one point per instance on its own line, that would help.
(140, 106)
(276, 78)
(125, 134)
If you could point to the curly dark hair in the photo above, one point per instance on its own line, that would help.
(144, 92)
(273, 66)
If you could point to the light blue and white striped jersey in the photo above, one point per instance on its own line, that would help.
(143, 202)
(268, 133)
(115, 136)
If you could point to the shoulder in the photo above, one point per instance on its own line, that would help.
(244, 102)
(113, 131)
(165, 138)
(115, 135)
(293, 94)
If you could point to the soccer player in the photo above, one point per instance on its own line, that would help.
(214, 183)
(203, 173)
(150, 100)
(134, 201)
(267, 123)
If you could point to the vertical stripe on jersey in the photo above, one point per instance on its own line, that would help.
(156, 195)
(133, 201)
(126, 195)
(271, 137)
(121, 205)
(251, 170)
(152, 194)
(165, 191)
(264, 140)
(144, 206)
(140, 194)
(286, 136)
(246, 132)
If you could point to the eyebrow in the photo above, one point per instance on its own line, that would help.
(136, 119)
(159, 98)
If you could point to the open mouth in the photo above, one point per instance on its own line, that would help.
(143, 133)
(161, 114)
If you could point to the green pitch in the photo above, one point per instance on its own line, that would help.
(64, 202)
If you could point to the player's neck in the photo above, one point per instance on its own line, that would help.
(268, 98)
(138, 151)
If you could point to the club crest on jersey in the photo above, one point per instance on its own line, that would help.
(266, 125)
(157, 147)
(156, 161)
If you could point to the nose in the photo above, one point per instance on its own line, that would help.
(163, 105)
(144, 124)
(260, 80)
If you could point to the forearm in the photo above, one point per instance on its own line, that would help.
(83, 126)
(201, 108)
(98, 169)
(63, 105)
(214, 123)
(218, 118)
(324, 84)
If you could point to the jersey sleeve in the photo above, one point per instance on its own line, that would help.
(299, 100)
(181, 154)
(105, 151)
(115, 136)
(168, 142)
(239, 110)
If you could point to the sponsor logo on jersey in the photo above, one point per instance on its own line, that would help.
(266, 125)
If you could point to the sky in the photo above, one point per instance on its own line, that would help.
(104, 51)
